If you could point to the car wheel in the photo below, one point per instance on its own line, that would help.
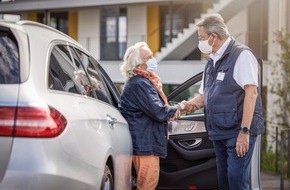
(133, 178)
(108, 181)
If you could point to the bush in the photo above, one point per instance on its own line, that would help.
(268, 162)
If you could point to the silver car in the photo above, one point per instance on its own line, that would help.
(60, 128)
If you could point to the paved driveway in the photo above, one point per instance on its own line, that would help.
(273, 182)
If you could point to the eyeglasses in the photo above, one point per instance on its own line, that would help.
(202, 39)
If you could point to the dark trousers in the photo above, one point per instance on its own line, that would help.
(233, 171)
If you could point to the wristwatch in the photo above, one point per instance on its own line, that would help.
(245, 130)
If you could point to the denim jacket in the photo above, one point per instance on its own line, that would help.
(146, 114)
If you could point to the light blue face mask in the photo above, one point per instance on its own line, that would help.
(152, 65)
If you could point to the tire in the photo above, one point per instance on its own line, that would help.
(133, 178)
(107, 181)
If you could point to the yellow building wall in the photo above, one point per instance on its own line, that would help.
(153, 28)
(73, 24)
(32, 16)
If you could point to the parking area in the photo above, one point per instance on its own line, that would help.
(273, 182)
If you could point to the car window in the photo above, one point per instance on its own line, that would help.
(62, 71)
(9, 59)
(97, 85)
(187, 94)
(113, 91)
(73, 71)
(80, 74)
(101, 89)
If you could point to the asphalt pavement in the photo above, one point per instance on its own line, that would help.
(273, 182)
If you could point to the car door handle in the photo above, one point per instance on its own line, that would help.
(111, 120)
(194, 154)
(190, 143)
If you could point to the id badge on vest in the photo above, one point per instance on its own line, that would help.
(220, 76)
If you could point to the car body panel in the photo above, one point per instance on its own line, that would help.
(8, 98)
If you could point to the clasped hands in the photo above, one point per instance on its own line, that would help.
(185, 107)
(188, 106)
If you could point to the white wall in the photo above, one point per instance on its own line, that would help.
(238, 26)
(89, 27)
(137, 27)
(170, 72)
(277, 21)
(89, 30)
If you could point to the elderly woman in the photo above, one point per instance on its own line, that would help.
(145, 107)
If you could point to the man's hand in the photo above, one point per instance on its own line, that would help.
(189, 106)
(242, 144)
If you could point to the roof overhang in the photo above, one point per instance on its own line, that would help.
(32, 5)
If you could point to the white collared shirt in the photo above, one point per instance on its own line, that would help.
(245, 70)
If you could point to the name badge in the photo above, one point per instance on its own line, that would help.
(220, 76)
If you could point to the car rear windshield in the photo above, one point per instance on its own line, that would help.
(9, 59)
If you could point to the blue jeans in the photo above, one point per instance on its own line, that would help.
(233, 171)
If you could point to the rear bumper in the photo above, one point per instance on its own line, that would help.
(40, 164)
(17, 180)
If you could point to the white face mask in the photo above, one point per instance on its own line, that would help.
(204, 47)
(152, 65)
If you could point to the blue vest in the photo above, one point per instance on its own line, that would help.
(224, 98)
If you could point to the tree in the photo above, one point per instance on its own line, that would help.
(279, 87)
(280, 83)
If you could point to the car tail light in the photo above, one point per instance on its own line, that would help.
(7, 116)
(192, 186)
(31, 122)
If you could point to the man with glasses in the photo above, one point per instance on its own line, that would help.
(233, 108)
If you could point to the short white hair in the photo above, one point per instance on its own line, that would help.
(214, 23)
(131, 59)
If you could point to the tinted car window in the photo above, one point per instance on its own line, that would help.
(99, 87)
(188, 94)
(71, 70)
(80, 75)
(62, 71)
(9, 59)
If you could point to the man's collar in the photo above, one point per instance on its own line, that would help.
(221, 50)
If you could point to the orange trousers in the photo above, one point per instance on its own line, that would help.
(147, 170)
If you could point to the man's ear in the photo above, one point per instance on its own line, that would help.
(215, 35)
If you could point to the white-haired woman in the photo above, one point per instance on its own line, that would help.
(145, 107)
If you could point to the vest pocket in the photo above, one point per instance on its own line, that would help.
(224, 116)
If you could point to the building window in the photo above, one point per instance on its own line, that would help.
(176, 17)
(113, 33)
(57, 20)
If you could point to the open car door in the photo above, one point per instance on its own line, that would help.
(191, 162)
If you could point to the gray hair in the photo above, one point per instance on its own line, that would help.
(131, 59)
(214, 23)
